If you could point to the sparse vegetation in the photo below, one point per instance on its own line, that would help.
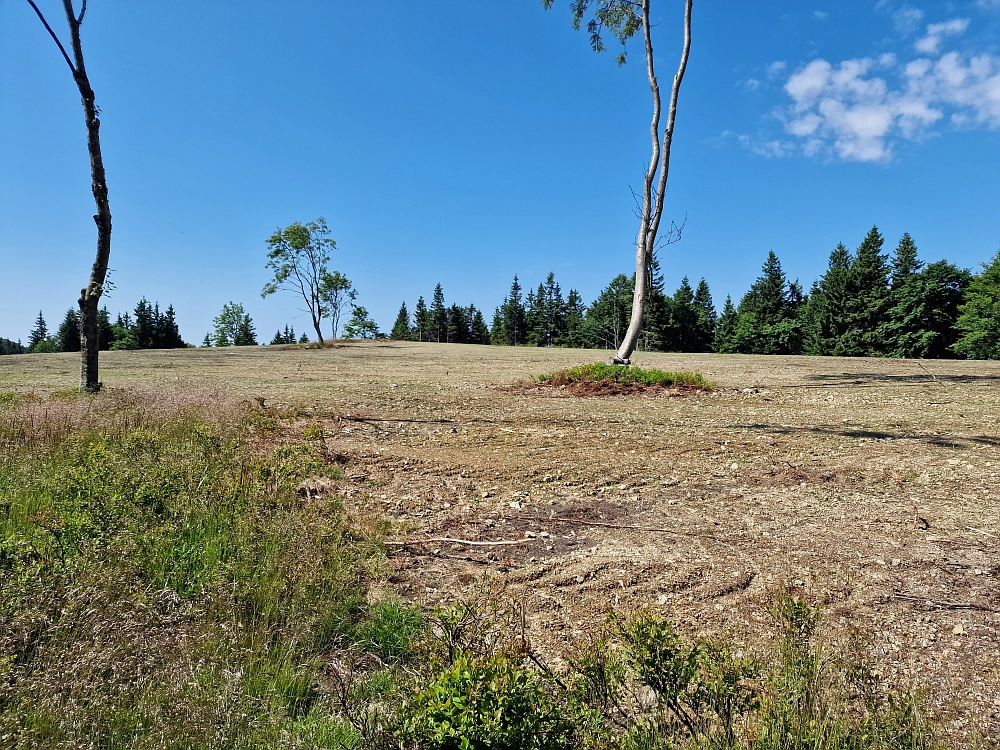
(624, 376)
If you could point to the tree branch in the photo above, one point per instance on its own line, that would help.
(53, 34)
(83, 12)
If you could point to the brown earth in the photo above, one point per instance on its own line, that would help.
(867, 486)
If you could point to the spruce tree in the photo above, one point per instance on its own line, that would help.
(706, 317)
(479, 333)
(68, 335)
(978, 325)
(659, 330)
(608, 317)
(826, 312)
(868, 300)
(105, 329)
(39, 333)
(498, 334)
(458, 325)
(422, 320)
(207, 341)
(574, 317)
(725, 329)
(401, 328)
(768, 317)
(685, 317)
(168, 332)
(439, 316)
(904, 261)
(513, 314)
(921, 322)
(144, 328)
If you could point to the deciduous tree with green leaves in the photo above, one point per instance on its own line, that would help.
(623, 19)
(298, 257)
(234, 327)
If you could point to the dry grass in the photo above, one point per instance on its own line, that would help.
(867, 486)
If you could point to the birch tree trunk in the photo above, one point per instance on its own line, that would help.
(652, 196)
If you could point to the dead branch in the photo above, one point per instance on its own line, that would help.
(611, 525)
(471, 543)
(942, 604)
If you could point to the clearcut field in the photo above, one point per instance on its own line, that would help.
(867, 486)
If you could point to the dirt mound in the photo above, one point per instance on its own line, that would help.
(564, 386)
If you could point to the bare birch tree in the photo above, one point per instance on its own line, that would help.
(90, 295)
(625, 18)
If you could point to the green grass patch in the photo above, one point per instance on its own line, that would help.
(630, 375)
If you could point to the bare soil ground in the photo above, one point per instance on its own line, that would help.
(868, 486)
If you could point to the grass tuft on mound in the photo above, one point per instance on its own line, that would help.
(624, 376)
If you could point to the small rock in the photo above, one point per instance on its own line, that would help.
(544, 534)
(734, 467)
(579, 579)
(958, 630)
(530, 534)
(515, 505)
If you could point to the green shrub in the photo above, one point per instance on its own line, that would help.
(478, 703)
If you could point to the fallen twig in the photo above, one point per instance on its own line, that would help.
(611, 525)
(947, 604)
(470, 542)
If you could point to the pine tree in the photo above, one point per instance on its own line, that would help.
(921, 322)
(868, 300)
(439, 316)
(725, 330)
(401, 328)
(422, 320)
(68, 336)
(978, 325)
(304, 338)
(39, 333)
(207, 341)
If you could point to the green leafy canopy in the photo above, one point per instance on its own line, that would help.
(622, 18)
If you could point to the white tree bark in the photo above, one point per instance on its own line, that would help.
(652, 197)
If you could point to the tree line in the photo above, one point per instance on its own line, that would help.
(866, 303)
(145, 328)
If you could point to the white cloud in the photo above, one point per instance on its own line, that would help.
(776, 68)
(988, 4)
(907, 20)
(751, 84)
(930, 43)
(850, 109)
(820, 15)
(767, 148)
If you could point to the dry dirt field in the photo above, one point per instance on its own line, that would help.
(867, 486)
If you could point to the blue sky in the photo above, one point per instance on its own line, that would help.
(462, 142)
